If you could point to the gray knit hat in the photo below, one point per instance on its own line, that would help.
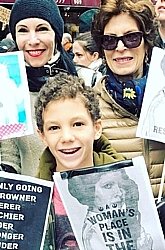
(44, 9)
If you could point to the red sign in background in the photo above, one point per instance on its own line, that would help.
(92, 3)
(7, 1)
(63, 2)
(82, 3)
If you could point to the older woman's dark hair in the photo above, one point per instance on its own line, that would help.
(142, 11)
(64, 86)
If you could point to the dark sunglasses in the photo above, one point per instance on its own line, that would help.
(130, 40)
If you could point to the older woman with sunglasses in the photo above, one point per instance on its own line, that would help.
(125, 32)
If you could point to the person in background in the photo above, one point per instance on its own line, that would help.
(7, 45)
(74, 140)
(87, 58)
(86, 19)
(36, 27)
(160, 12)
(4, 30)
(67, 44)
(125, 32)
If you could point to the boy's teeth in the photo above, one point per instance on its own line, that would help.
(69, 151)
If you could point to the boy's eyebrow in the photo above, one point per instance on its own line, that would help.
(72, 119)
(77, 117)
(50, 121)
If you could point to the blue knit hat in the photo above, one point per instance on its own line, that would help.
(86, 19)
(44, 9)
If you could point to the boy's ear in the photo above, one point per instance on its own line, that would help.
(41, 135)
(98, 129)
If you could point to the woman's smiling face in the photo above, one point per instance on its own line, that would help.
(36, 38)
(122, 60)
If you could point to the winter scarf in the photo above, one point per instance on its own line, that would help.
(127, 93)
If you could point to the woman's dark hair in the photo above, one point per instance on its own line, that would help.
(142, 11)
(87, 43)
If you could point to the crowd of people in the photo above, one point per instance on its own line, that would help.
(81, 110)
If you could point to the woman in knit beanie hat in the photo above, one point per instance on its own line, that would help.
(36, 27)
(48, 11)
(44, 9)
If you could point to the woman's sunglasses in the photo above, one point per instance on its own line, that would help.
(130, 40)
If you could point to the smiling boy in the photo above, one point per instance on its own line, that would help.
(68, 119)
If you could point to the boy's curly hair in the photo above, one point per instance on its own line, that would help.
(64, 86)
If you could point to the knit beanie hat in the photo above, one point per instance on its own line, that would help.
(85, 20)
(44, 9)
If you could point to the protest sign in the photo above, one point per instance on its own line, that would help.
(4, 15)
(152, 119)
(111, 207)
(24, 210)
(15, 108)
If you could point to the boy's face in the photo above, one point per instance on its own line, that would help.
(69, 132)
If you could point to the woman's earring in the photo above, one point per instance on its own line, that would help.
(103, 60)
(146, 57)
